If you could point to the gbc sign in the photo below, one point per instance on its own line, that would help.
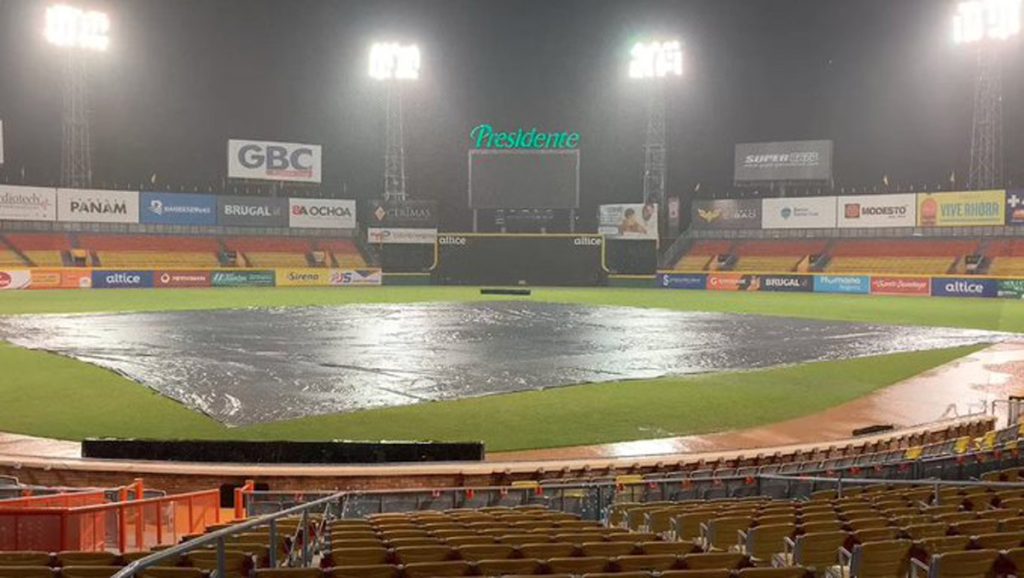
(274, 161)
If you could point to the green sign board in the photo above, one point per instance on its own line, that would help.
(1011, 288)
(243, 279)
(485, 137)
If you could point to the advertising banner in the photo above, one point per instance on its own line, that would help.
(402, 214)
(733, 282)
(682, 281)
(16, 279)
(911, 286)
(61, 278)
(967, 209)
(273, 161)
(321, 214)
(785, 283)
(800, 213)
(964, 287)
(1015, 207)
(635, 221)
(166, 279)
(784, 161)
(95, 206)
(401, 236)
(673, 217)
(848, 284)
(1010, 288)
(242, 279)
(27, 203)
(252, 211)
(178, 209)
(102, 279)
(303, 277)
(734, 214)
(355, 277)
(867, 211)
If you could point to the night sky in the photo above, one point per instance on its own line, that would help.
(879, 77)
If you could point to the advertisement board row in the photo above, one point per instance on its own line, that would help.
(847, 284)
(156, 208)
(167, 279)
(958, 209)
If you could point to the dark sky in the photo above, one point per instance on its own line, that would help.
(879, 77)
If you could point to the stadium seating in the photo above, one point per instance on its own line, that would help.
(41, 249)
(122, 251)
(772, 256)
(1007, 257)
(699, 256)
(345, 253)
(271, 251)
(898, 256)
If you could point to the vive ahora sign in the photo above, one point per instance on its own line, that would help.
(485, 137)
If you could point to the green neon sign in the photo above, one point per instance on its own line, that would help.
(484, 137)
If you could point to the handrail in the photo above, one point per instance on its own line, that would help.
(217, 537)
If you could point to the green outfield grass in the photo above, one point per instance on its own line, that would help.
(46, 395)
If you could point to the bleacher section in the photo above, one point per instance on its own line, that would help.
(775, 256)
(345, 253)
(1007, 258)
(123, 251)
(41, 249)
(701, 254)
(898, 256)
(271, 252)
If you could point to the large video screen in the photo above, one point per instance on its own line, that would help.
(524, 179)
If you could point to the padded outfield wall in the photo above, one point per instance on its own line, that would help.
(102, 278)
(893, 285)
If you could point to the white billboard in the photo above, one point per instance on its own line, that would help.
(321, 214)
(877, 211)
(27, 203)
(635, 221)
(273, 161)
(95, 206)
(805, 213)
(1, 142)
(395, 236)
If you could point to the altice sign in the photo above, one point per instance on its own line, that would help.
(484, 136)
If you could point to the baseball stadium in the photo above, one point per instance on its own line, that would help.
(679, 288)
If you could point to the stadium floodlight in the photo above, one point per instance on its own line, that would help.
(979, 20)
(70, 27)
(393, 61)
(656, 60)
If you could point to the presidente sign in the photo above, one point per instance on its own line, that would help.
(485, 137)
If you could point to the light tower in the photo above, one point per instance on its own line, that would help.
(393, 64)
(654, 63)
(986, 25)
(78, 33)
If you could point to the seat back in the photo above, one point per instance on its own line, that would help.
(968, 564)
(880, 559)
(818, 550)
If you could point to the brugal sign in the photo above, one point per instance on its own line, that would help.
(484, 137)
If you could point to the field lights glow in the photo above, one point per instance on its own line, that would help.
(392, 61)
(980, 20)
(656, 60)
(70, 27)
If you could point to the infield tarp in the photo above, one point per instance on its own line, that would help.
(247, 366)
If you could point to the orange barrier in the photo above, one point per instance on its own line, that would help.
(65, 500)
(123, 526)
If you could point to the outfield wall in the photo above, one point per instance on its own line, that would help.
(101, 278)
(901, 285)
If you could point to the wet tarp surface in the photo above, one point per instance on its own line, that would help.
(256, 365)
